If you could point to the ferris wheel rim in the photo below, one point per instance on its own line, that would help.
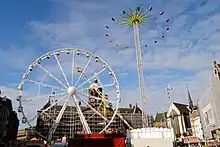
(61, 50)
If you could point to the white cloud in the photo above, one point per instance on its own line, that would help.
(182, 51)
(17, 58)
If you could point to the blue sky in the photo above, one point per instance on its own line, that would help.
(184, 57)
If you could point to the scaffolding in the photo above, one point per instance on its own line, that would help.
(70, 123)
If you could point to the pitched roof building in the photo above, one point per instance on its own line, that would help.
(178, 118)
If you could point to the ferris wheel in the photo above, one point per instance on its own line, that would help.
(68, 88)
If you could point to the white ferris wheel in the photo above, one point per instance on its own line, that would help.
(70, 88)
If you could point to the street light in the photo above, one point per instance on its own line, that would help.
(169, 92)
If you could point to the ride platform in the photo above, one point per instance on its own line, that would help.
(97, 140)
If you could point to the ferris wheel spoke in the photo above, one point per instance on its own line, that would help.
(32, 119)
(86, 95)
(109, 85)
(93, 109)
(41, 112)
(106, 85)
(52, 76)
(61, 69)
(54, 103)
(83, 70)
(73, 65)
(40, 96)
(89, 79)
(44, 85)
(58, 118)
(98, 98)
(81, 116)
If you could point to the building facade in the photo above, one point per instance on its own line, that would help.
(70, 116)
(209, 106)
(197, 130)
(178, 117)
(8, 121)
(70, 123)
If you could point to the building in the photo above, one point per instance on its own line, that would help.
(209, 106)
(4, 114)
(70, 116)
(150, 120)
(26, 134)
(8, 121)
(70, 123)
(178, 117)
(197, 130)
(161, 120)
(195, 119)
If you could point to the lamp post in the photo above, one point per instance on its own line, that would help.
(169, 93)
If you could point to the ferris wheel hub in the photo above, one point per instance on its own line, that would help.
(71, 90)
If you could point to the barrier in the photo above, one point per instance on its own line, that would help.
(153, 137)
(150, 133)
(97, 140)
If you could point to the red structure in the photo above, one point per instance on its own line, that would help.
(97, 140)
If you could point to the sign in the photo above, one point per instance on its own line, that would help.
(190, 139)
(213, 143)
(21, 132)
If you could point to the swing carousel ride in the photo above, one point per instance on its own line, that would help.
(146, 18)
(136, 18)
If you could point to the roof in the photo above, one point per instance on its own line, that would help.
(68, 108)
(135, 109)
(183, 108)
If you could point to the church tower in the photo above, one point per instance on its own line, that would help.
(191, 106)
(95, 91)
